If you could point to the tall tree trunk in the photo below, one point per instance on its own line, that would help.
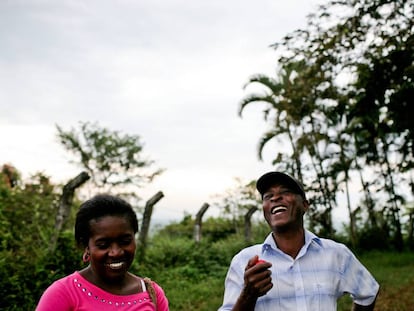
(390, 187)
(345, 163)
(410, 237)
(322, 179)
(352, 214)
(369, 201)
(326, 215)
(296, 156)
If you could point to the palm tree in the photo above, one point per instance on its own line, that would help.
(280, 114)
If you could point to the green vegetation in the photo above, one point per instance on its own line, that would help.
(395, 273)
(338, 106)
(193, 275)
(113, 160)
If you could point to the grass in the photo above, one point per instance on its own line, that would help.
(395, 274)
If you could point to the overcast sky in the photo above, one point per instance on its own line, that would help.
(170, 71)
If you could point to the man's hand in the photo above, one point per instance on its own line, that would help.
(257, 282)
(257, 277)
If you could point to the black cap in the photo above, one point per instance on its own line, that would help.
(273, 178)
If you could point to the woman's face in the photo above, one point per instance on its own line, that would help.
(111, 247)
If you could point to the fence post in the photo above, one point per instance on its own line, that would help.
(142, 239)
(197, 225)
(247, 224)
(65, 204)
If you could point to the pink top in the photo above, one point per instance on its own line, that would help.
(74, 292)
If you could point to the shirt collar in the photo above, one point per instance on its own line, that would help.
(310, 237)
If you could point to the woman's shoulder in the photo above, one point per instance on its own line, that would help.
(65, 281)
(57, 294)
(65, 284)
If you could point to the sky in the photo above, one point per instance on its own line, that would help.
(170, 71)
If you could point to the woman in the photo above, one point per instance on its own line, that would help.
(105, 228)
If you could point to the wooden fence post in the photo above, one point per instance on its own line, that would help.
(247, 223)
(143, 234)
(197, 225)
(65, 204)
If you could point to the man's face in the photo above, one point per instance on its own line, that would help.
(283, 209)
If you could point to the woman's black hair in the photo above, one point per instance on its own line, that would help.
(99, 206)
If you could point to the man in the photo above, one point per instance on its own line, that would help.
(294, 270)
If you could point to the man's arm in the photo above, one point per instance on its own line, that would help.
(245, 302)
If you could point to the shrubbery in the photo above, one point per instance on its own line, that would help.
(192, 274)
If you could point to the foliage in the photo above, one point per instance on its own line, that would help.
(236, 201)
(195, 279)
(112, 159)
(182, 229)
(192, 274)
(27, 217)
(212, 228)
(395, 274)
(9, 175)
(65, 259)
(239, 204)
(339, 103)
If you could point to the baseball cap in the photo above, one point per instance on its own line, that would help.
(272, 178)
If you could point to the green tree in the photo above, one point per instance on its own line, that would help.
(236, 201)
(355, 81)
(112, 159)
(27, 215)
(281, 113)
(296, 117)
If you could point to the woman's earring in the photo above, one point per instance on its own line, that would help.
(86, 257)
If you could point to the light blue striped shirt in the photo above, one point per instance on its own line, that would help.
(323, 271)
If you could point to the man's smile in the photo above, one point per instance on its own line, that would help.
(278, 209)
